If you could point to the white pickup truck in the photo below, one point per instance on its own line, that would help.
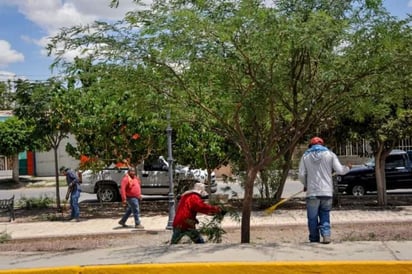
(154, 177)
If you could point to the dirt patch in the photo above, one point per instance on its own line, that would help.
(259, 234)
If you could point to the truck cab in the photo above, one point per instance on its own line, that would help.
(154, 178)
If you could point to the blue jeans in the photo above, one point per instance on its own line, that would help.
(318, 213)
(193, 234)
(132, 207)
(74, 205)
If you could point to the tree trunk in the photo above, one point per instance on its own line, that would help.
(264, 184)
(15, 172)
(56, 166)
(285, 172)
(247, 205)
(209, 180)
(380, 157)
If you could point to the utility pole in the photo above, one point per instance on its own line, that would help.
(171, 185)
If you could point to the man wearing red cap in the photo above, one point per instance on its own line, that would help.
(315, 172)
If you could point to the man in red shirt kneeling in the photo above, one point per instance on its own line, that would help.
(185, 221)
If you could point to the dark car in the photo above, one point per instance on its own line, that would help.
(361, 179)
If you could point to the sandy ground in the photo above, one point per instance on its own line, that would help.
(382, 231)
(258, 235)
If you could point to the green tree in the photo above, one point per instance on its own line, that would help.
(108, 116)
(117, 116)
(44, 106)
(264, 74)
(196, 145)
(6, 96)
(382, 112)
(15, 137)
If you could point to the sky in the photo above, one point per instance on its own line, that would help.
(25, 26)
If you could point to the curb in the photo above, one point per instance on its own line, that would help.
(338, 267)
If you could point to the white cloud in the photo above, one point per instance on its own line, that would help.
(9, 55)
(410, 3)
(52, 15)
(5, 75)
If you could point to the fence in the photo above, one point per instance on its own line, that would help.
(363, 149)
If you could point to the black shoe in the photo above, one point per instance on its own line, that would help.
(122, 224)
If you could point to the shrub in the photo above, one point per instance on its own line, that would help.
(4, 237)
(30, 203)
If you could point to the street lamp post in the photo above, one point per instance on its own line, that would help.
(170, 161)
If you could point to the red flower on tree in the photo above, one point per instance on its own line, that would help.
(84, 159)
(135, 136)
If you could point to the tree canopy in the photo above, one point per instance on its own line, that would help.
(47, 108)
(382, 112)
(260, 75)
(15, 137)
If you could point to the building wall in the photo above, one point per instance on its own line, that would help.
(5, 114)
(44, 161)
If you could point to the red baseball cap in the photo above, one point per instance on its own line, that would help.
(316, 141)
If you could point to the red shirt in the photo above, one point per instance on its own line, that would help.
(189, 205)
(130, 188)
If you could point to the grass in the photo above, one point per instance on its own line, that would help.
(4, 237)
(35, 203)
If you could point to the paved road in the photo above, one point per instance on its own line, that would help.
(231, 189)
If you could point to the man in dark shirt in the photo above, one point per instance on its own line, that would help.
(73, 184)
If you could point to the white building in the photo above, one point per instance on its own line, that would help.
(44, 161)
(37, 163)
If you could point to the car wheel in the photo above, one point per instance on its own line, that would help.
(358, 190)
(107, 193)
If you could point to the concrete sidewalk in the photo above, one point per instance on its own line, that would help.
(212, 253)
(164, 253)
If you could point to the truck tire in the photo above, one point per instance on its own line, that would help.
(358, 190)
(107, 193)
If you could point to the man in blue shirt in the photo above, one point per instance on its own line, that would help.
(73, 184)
